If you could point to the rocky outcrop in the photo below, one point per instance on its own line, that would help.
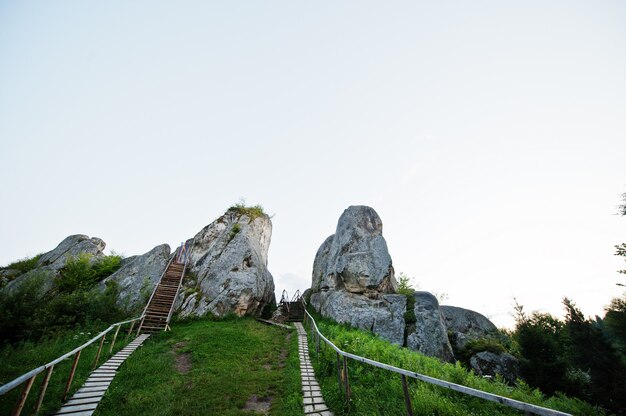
(72, 246)
(383, 316)
(50, 263)
(355, 259)
(486, 363)
(429, 335)
(137, 277)
(353, 282)
(228, 267)
(465, 325)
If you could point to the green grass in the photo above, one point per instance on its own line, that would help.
(16, 360)
(230, 361)
(252, 212)
(379, 392)
(24, 265)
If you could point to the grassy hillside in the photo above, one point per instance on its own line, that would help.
(206, 367)
(18, 359)
(379, 392)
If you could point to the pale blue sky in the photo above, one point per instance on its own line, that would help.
(489, 136)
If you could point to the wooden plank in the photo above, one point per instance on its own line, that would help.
(77, 408)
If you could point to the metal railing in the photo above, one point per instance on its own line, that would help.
(344, 382)
(29, 378)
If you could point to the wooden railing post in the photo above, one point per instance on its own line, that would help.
(346, 378)
(407, 397)
(339, 375)
(114, 338)
(95, 363)
(22, 400)
(44, 387)
(132, 325)
(68, 385)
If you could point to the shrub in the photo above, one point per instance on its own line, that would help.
(252, 212)
(24, 265)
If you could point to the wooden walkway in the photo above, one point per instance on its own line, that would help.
(313, 401)
(87, 398)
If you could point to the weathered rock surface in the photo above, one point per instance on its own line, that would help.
(353, 277)
(383, 316)
(138, 275)
(465, 325)
(228, 268)
(430, 335)
(355, 258)
(71, 246)
(486, 363)
(50, 263)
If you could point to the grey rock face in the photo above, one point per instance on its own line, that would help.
(50, 263)
(383, 316)
(430, 335)
(353, 277)
(228, 265)
(71, 246)
(357, 259)
(487, 363)
(465, 325)
(138, 275)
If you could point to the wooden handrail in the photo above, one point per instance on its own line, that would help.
(30, 376)
(516, 404)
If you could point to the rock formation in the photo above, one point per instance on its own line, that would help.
(353, 282)
(487, 363)
(228, 267)
(71, 246)
(465, 325)
(429, 335)
(50, 263)
(138, 275)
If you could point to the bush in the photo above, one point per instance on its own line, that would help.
(83, 272)
(24, 265)
(252, 212)
(34, 310)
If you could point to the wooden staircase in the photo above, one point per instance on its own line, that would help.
(158, 312)
(295, 311)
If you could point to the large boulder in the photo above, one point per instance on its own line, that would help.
(355, 258)
(487, 363)
(383, 316)
(353, 278)
(137, 277)
(429, 335)
(465, 325)
(228, 267)
(72, 246)
(49, 264)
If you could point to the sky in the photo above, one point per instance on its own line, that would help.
(490, 136)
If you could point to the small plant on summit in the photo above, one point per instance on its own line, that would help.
(251, 211)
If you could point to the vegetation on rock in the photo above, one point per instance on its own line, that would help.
(252, 212)
(30, 312)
